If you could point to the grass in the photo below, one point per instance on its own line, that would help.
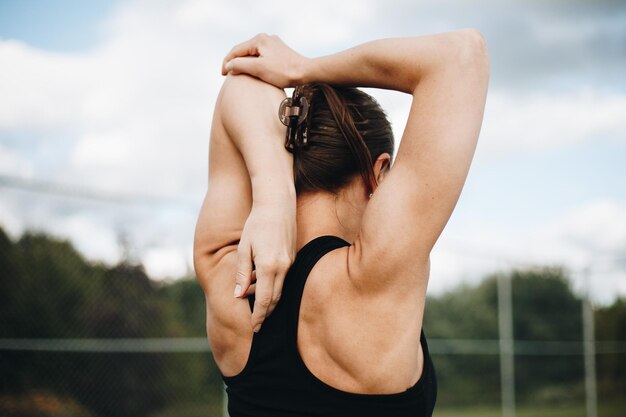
(604, 410)
(207, 409)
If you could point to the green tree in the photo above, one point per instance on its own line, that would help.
(128, 307)
(544, 309)
(611, 370)
(49, 290)
(188, 313)
(466, 312)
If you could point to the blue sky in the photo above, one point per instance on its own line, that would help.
(64, 25)
(542, 185)
(115, 98)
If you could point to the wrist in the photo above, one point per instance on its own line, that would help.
(273, 191)
(281, 205)
(305, 71)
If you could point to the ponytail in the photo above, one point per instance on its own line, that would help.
(353, 137)
(347, 130)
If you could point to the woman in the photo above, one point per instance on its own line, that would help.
(325, 245)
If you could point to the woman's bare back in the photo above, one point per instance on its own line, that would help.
(355, 342)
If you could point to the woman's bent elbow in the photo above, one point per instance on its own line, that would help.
(475, 47)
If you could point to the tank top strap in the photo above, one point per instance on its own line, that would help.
(306, 259)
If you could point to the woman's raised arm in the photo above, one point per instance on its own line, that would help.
(447, 75)
(250, 206)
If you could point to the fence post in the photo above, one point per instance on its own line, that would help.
(505, 325)
(224, 402)
(591, 400)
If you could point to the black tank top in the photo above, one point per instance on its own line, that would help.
(275, 381)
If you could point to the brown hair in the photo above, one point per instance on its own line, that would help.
(346, 131)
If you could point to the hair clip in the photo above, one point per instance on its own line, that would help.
(293, 112)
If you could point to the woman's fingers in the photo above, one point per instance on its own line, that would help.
(243, 277)
(277, 290)
(267, 293)
(251, 289)
(262, 298)
(268, 290)
(247, 65)
(265, 57)
(249, 48)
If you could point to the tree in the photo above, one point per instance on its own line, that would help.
(611, 368)
(544, 309)
(49, 290)
(466, 312)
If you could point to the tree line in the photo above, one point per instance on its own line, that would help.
(49, 290)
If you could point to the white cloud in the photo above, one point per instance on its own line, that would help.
(591, 236)
(328, 23)
(10, 220)
(598, 227)
(543, 120)
(11, 163)
(39, 89)
(112, 149)
(95, 240)
(532, 122)
(139, 105)
(165, 262)
(562, 31)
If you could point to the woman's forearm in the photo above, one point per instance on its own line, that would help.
(396, 64)
(267, 242)
(248, 165)
(249, 114)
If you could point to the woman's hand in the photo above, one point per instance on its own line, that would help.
(268, 58)
(269, 240)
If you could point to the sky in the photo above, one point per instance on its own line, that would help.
(105, 112)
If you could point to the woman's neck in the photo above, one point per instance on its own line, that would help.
(323, 213)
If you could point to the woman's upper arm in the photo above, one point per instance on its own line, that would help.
(227, 202)
(410, 208)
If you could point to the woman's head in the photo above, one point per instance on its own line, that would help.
(347, 131)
